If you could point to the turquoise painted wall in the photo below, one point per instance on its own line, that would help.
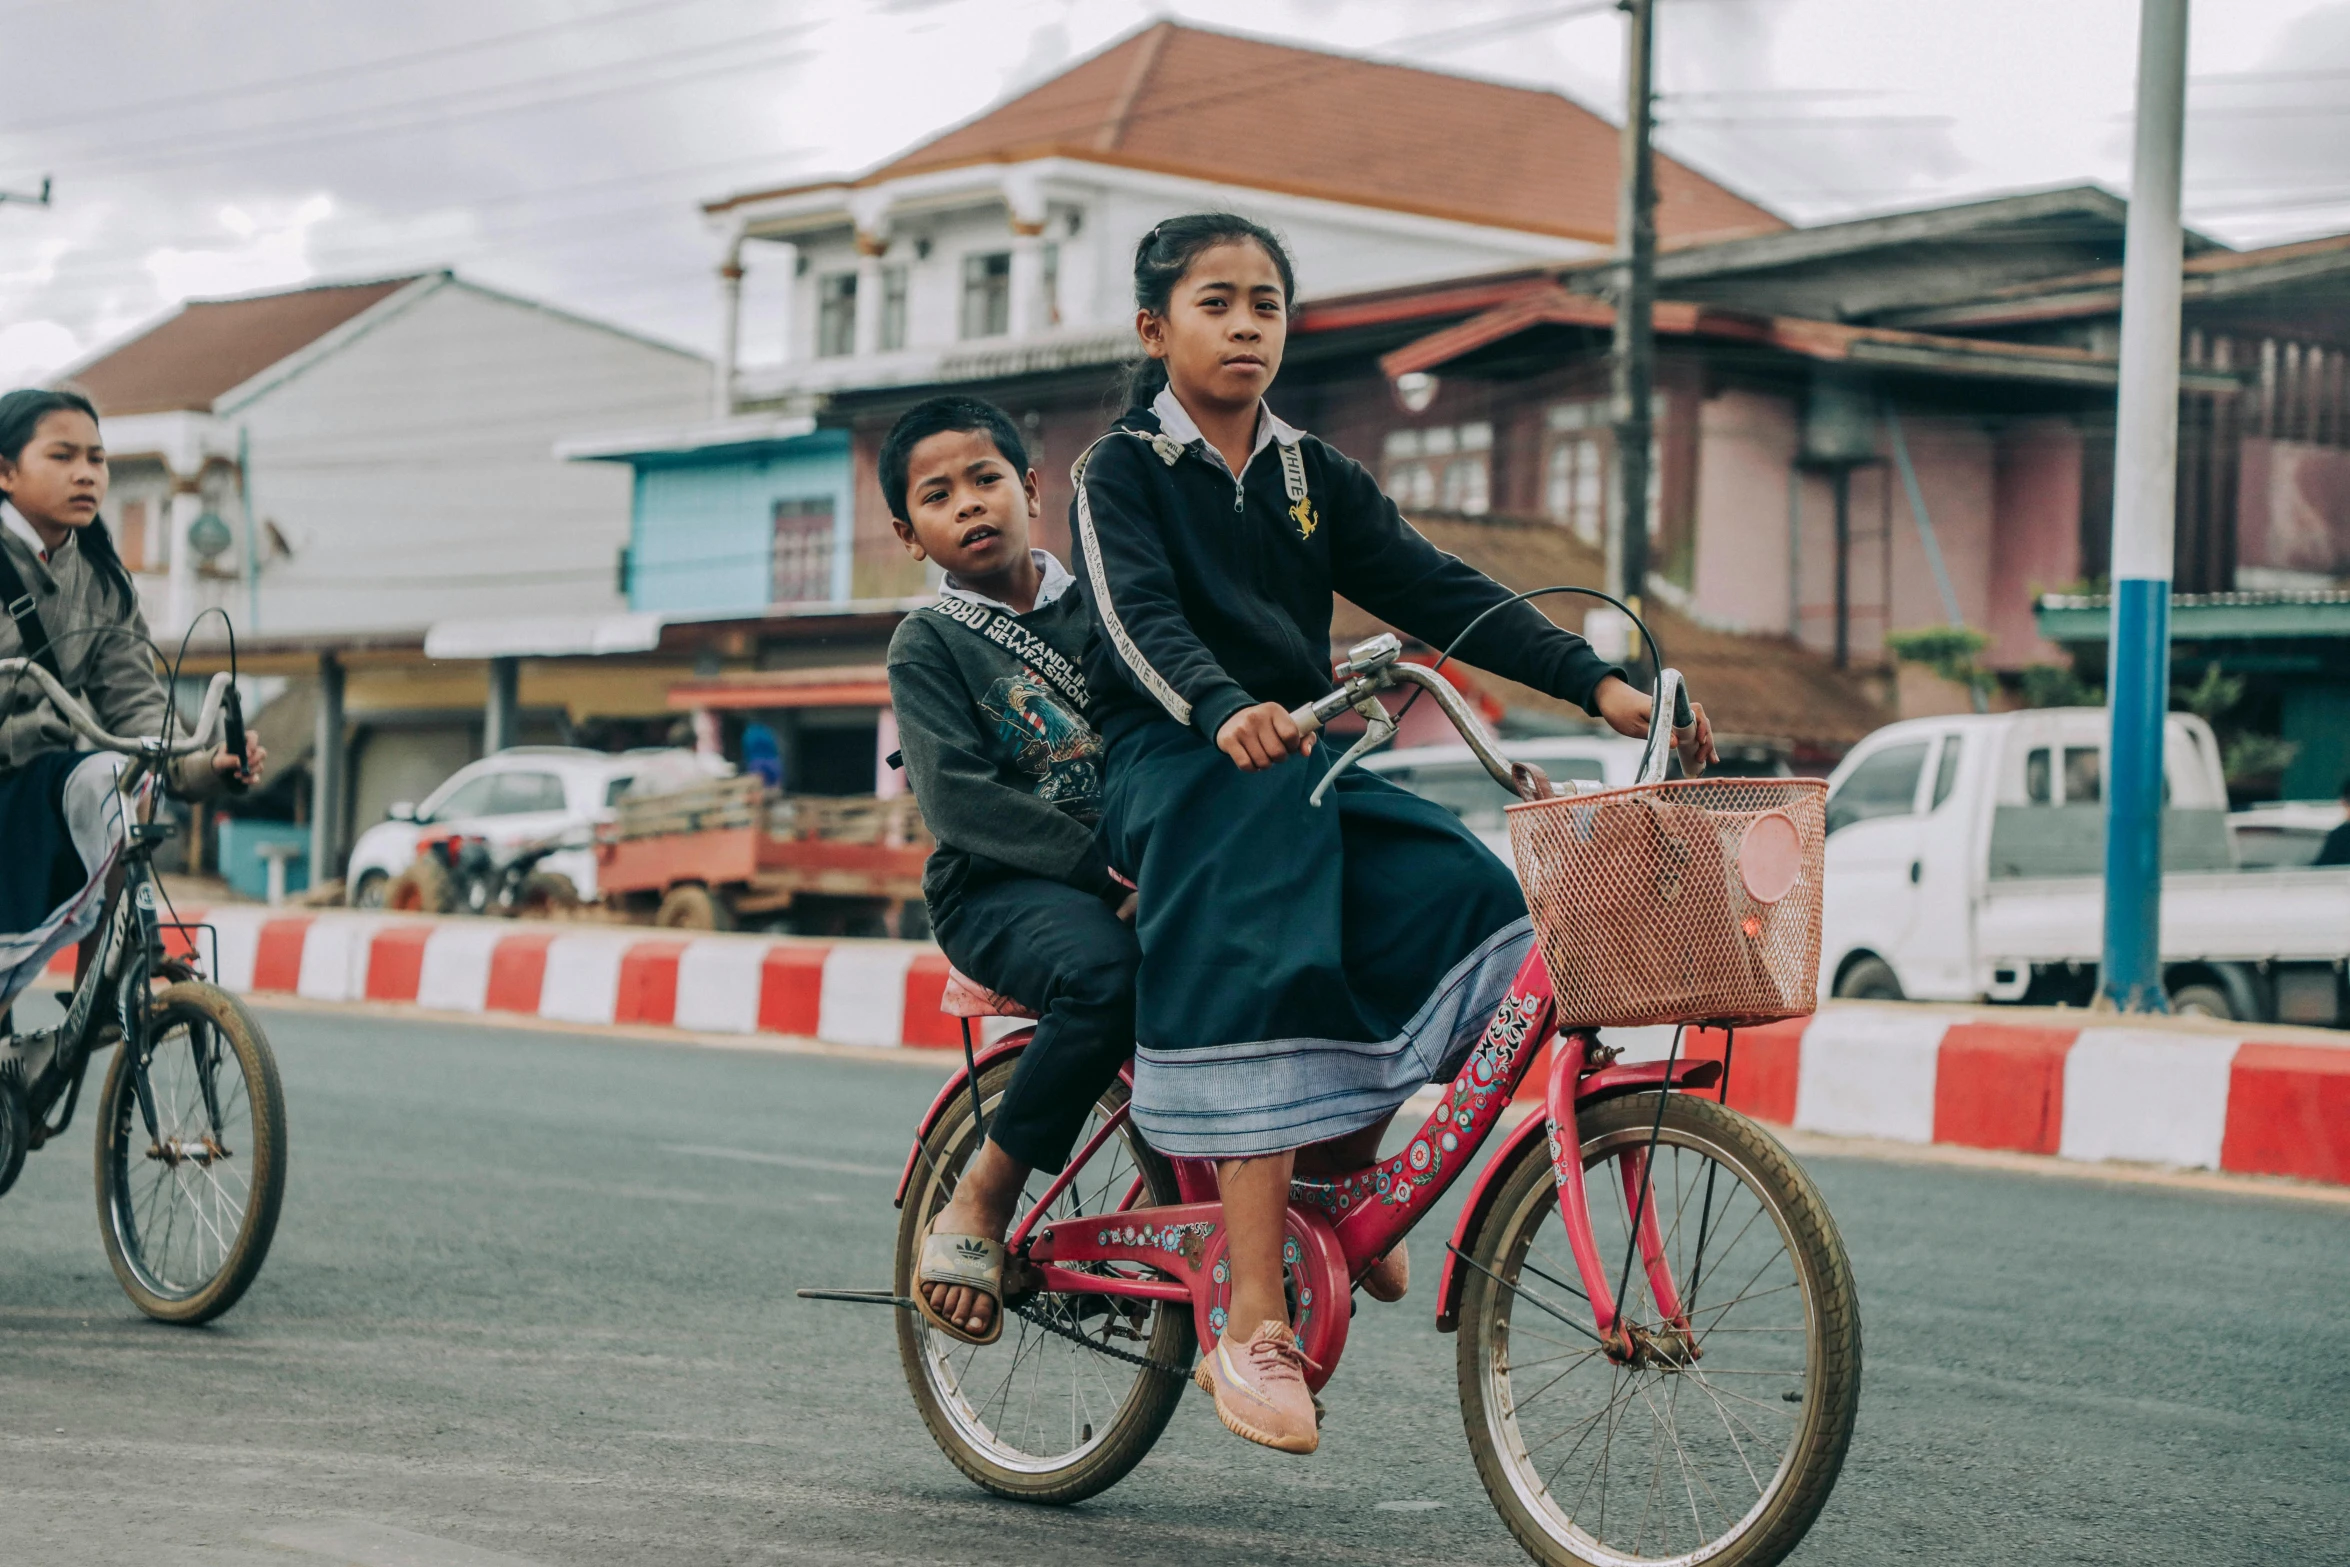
(704, 521)
(2317, 721)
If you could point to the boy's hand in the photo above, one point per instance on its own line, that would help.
(247, 770)
(1257, 737)
(1127, 905)
(1627, 712)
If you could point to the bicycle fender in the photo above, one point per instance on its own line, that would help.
(985, 1056)
(1607, 1083)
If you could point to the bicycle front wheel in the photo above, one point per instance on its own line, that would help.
(1079, 1387)
(1719, 1440)
(188, 1208)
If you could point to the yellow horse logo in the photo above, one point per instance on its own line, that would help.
(1301, 512)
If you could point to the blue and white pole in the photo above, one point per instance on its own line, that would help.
(2145, 468)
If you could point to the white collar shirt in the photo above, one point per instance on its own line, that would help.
(1176, 422)
(13, 521)
(1057, 581)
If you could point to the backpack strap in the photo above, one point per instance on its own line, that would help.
(20, 606)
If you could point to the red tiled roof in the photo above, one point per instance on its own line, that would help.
(214, 345)
(1757, 687)
(1273, 116)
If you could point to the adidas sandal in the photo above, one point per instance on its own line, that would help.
(972, 1261)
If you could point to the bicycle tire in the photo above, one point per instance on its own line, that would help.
(128, 1233)
(1827, 1400)
(16, 1129)
(1141, 1414)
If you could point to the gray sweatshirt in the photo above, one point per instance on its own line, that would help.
(1007, 773)
(105, 659)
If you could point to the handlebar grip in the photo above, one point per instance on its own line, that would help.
(232, 708)
(1307, 720)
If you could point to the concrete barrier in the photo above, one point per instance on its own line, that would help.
(2254, 1098)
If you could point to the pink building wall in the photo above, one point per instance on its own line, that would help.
(2293, 507)
(1745, 446)
(2036, 541)
(1955, 470)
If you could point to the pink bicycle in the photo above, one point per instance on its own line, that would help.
(1659, 1346)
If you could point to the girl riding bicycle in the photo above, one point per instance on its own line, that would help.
(1304, 969)
(71, 608)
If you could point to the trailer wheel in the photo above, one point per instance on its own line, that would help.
(690, 905)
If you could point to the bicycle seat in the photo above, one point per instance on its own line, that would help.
(966, 997)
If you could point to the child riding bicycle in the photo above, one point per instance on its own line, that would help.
(71, 609)
(990, 711)
(1304, 970)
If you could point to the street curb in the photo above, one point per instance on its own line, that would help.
(862, 994)
(2180, 1093)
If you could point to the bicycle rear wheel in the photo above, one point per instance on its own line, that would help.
(1722, 1455)
(1079, 1387)
(187, 1214)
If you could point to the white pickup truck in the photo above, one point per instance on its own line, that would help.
(1965, 863)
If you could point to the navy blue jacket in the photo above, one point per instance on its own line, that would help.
(1211, 595)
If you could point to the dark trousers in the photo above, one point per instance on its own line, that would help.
(1066, 957)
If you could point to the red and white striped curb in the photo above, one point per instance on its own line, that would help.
(875, 993)
(2260, 1101)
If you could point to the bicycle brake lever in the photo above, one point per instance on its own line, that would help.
(232, 708)
(1378, 729)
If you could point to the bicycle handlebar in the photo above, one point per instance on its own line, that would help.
(1376, 666)
(86, 725)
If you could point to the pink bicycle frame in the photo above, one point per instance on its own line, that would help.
(1338, 1227)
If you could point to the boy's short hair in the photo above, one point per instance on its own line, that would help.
(933, 416)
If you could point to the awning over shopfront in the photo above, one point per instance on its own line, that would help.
(547, 636)
(847, 685)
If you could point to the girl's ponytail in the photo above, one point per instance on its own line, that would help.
(1166, 254)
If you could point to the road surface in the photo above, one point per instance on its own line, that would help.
(530, 1303)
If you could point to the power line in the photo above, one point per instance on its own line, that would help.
(121, 109)
(322, 130)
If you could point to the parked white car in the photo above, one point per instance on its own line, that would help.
(525, 794)
(1965, 862)
(1456, 780)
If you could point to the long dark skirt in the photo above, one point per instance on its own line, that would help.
(60, 826)
(1304, 969)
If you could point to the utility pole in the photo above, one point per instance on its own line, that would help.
(2145, 477)
(1633, 360)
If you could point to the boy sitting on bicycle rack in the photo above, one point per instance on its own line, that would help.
(991, 718)
(69, 607)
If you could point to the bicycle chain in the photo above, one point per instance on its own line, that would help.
(1029, 1310)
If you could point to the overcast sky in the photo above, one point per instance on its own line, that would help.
(559, 147)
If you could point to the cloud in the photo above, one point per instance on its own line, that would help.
(31, 351)
(269, 253)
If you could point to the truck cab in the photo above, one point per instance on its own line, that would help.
(1960, 851)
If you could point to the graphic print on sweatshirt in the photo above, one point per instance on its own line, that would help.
(1040, 736)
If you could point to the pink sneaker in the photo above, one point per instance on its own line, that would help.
(1260, 1388)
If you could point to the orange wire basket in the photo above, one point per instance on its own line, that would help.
(1695, 901)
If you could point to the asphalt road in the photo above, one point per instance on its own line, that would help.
(531, 1302)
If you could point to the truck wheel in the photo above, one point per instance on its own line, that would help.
(691, 906)
(368, 891)
(2202, 1001)
(425, 887)
(1870, 979)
